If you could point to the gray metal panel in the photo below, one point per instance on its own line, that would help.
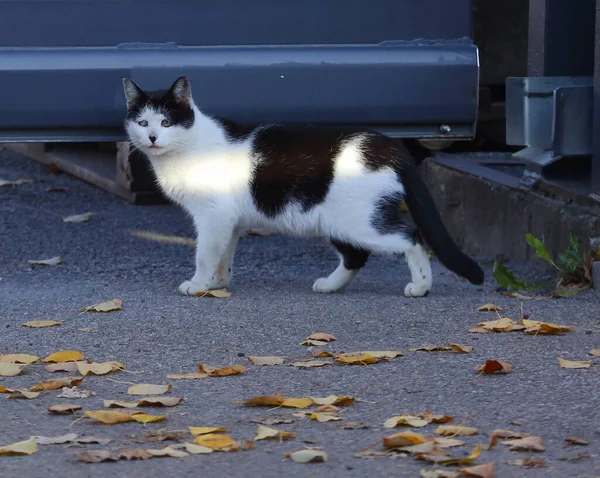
(69, 23)
(420, 85)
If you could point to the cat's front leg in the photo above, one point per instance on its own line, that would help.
(212, 245)
(225, 269)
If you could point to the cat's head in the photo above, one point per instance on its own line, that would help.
(159, 122)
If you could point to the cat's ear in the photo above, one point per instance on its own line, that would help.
(182, 91)
(133, 93)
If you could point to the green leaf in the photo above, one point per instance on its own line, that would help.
(574, 242)
(566, 293)
(505, 278)
(540, 248)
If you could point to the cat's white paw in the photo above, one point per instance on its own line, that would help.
(191, 288)
(325, 286)
(416, 290)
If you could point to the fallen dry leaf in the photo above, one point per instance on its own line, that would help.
(278, 400)
(448, 442)
(206, 430)
(160, 435)
(221, 372)
(62, 367)
(353, 426)
(322, 337)
(311, 363)
(53, 261)
(333, 400)
(324, 417)
(215, 441)
(64, 356)
(75, 392)
(500, 433)
(576, 441)
(18, 358)
(438, 474)
(430, 348)
(530, 462)
(144, 402)
(530, 443)
(467, 460)
(96, 456)
(485, 470)
(16, 182)
(435, 418)
(406, 438)
(17, 394)
(489, 308)
(8, 369)
(38, 324)
(327, 409)
(63, 408)
(593, 352)
(578, 457)
(168, 451)
(462, 349)
(86, 216)
(272, 420)
(383, 354)
(503, 324)
(266, 433)
(544, 328)
(113, 417)
(41, 440)
(408, 420)
(56, 384)
(97, 368)
(296, 402)
(214, 294)
(26, 447)
(564, 363)
(194, 449)
(93, 440)
(356, 358)
(148, 389)
(266, 360)
(494, 366)
(308, 456)
(455, 430)
(324, 354)
(109, 306)
(188, 376)
(434, 455)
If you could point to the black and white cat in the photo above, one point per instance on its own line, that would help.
(345, 184)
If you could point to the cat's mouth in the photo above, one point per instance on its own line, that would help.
(155, 147)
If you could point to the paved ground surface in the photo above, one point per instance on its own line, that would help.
(272, 309)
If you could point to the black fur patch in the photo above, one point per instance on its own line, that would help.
(164, 102)
(387, 217)
(294, 164)
(354, 257)
(234, 131)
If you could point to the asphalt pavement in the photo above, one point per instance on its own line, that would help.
(271, 310)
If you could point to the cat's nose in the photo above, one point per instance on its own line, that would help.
(152, 138)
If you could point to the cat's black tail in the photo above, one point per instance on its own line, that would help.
(427, 218)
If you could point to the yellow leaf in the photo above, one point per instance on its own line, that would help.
(214, 293)
(503, 324)
(489, 308)
(435, 418)
(485, 470)
(327, 409)
(476, 453)
(356, 359)
(593, 352)
(406, 438)
(531, 443)
(494, 366)
(109, 417)
(455, 430)
(544, 328)
(265, 401)
(430, 348)
(383, 354)
(188, 376)
(321, 336)
(147, 418)
(325, 417)
(148, 389)
(311, 363)
(120, 404)
(109, 306)
(564, 363)
(321, 354)
(313, 343)
(160, 401)
(18, 358)
(64, 408)
(266, 433)
(99, 368)
(20, 393)
(333, 400)
(168, 451)
(10, 369)
(266, 360)
(53, 261)
(57, 384)
(205, 430)
(501, 433)
(197, 449)
(26, 447)
(296, 402)
(64, 356)
(36, 324)
(86, 216)
(448, 442)
(410, 420)
(216, 441)
(221, 372)
(309, 456)
(463, 349)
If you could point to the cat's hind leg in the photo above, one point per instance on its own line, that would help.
(420, 271)
(352, 259)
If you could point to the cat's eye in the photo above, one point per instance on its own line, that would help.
(165, 123)
(143, 123)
